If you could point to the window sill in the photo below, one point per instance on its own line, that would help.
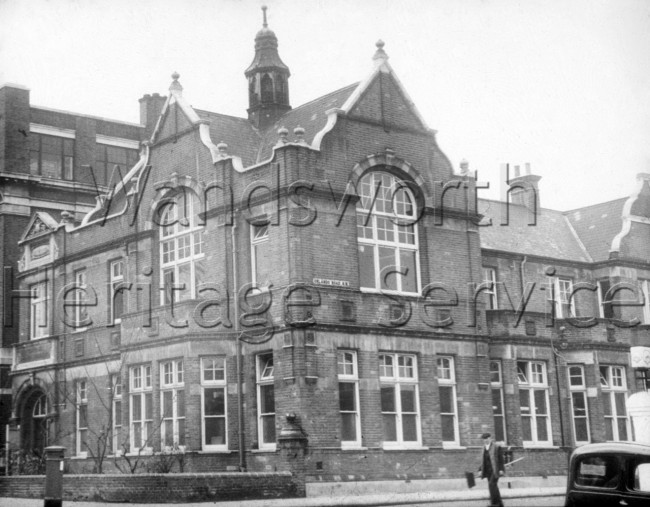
(265, 450)
(452, 446)
(531, 445)
(352, 447)
(215, 451)
(82, 455)
(404, 448)
(367, 290)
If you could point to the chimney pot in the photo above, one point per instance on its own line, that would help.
(517, 172)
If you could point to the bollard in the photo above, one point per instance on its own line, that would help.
(53, 476)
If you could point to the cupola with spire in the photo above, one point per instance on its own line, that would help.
(268, 80)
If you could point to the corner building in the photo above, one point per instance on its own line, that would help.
(320, 275)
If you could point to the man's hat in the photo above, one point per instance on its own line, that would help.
(486, 435)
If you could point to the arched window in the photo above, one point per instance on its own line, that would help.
(182, 264)
(267, 88)
(387, 234)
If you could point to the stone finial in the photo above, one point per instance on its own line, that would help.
(67, 217)
(223, 149)
(380, 54)
(264, 23)
(175, 86)
(299, 132)
(283, 133)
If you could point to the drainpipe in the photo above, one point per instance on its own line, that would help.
(240, 382)
(521, 275)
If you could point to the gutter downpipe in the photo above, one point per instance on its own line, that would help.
(240, 383)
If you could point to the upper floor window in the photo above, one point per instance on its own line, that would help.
(39, 319)
(490, 279)
(387, 234)
(107, 157)
(51, 156)
(645, 289)
(80, 314)
(181, 247)
(259, 248)
(560, 294)
(116, 297)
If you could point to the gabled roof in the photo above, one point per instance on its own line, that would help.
(597, 225)
(550, 236)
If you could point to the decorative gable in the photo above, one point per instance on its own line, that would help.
(384, 102)
(41, 224)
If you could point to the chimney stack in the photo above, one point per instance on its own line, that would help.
(150, 109)
(525, 188)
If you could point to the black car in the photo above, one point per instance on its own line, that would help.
(609, 474)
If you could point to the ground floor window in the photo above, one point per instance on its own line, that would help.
(348, 377)
(614, 394)
(265, 401)
(214, 404)
(534, 403)
(400, 409)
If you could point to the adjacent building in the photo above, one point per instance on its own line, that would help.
(320, 272)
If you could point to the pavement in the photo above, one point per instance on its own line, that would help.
(364, 494)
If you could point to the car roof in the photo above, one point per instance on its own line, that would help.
(614, 448)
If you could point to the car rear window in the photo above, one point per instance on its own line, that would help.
(598, 471)
(641, 475)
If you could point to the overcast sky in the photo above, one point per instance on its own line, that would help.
(563, 85)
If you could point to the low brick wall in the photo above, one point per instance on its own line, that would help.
(159, 488)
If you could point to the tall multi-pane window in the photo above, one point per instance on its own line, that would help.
(140, 408)
(117, 438)
(387, 235)
(39, 311)
(579, 407)
(107, 157)
(498, 412)
(259, 249)
(614, 395)
(40, 418)
(182, 259)
(560, 295)
(51, 156)
(490, 279)
(116, 296)
(82, 418)
(214, 435)
(348, 376)
(80, 314)
(534, 404)
(398, 379)
(172, 404)
(265, 402)
(448, 404)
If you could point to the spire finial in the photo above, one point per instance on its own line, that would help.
(175, 86)
(264, 24)
(380, 54)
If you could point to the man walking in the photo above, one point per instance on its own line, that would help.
(492, 467)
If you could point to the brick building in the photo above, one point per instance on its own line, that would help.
(318, 273)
